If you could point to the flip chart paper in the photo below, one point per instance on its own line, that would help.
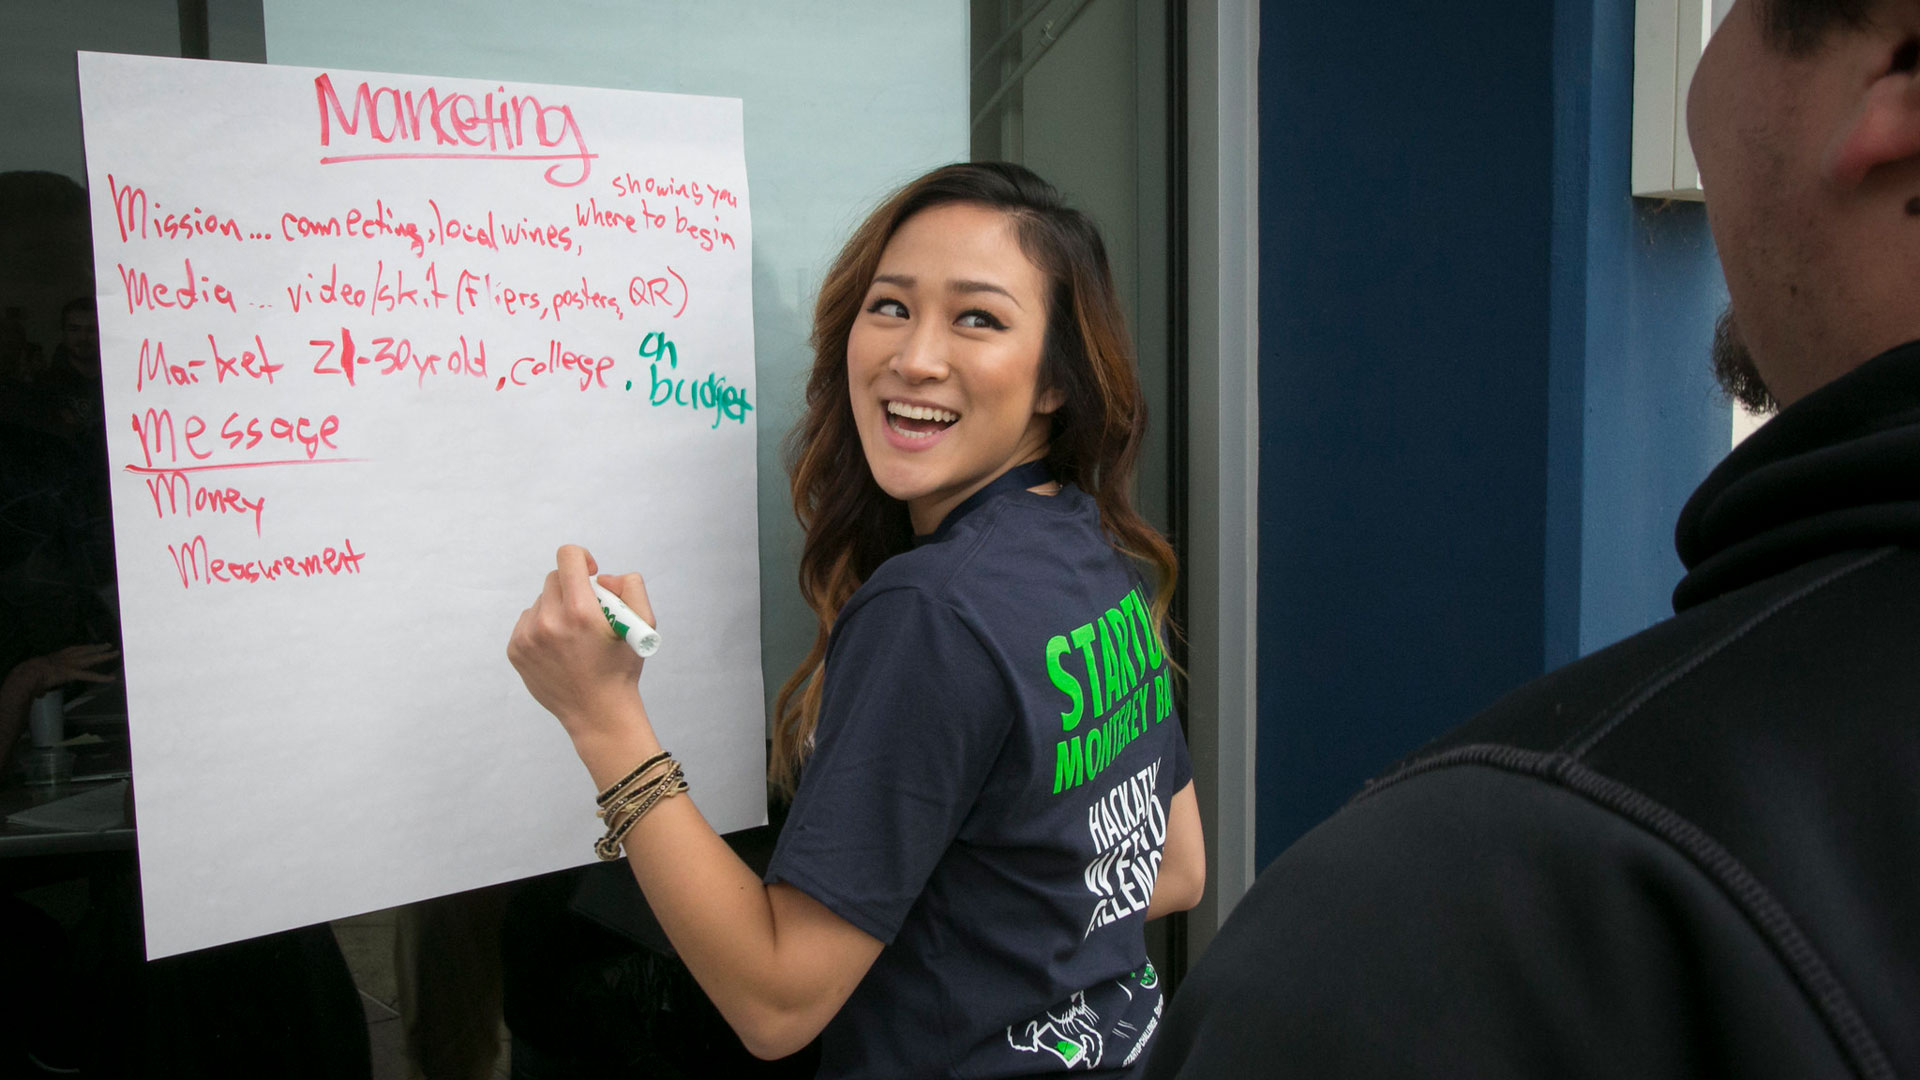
(373, 347)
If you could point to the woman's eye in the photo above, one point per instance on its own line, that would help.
(980, 320)
(891, 308)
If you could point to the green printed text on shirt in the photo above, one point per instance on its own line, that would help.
(1112, 673)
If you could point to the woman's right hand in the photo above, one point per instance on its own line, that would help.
(568, 657)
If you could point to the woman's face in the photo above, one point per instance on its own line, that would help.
(943, 362)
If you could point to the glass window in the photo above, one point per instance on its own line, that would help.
(1088, 96)
(842, 103)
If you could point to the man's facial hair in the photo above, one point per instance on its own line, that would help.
(1733, 367)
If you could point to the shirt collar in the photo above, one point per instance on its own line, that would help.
(1018, 478)
(1838, 470)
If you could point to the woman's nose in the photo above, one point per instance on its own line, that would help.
(921, 356)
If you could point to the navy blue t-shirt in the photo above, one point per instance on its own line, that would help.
(988, 795)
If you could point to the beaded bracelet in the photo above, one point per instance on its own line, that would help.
(625, 798)
(614, 788)
(609, 846)
(627, 812)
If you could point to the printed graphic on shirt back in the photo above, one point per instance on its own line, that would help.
(1129, 830)
(1073, 1034)
(1110, 669)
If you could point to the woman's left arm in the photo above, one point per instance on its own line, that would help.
(1183, 861)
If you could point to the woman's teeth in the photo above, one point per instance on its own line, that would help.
(918, 421)
(921, 412)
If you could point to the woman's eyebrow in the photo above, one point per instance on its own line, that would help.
(959, 285)
(963, 286)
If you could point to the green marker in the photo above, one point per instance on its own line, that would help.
(627, 626)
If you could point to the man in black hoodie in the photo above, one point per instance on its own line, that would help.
(1696, 853)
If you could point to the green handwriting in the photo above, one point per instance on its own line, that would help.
(672, 388)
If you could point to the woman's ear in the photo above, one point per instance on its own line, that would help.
(1884, 127)
(1049, 402)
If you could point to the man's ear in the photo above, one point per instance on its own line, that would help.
(1884, 128)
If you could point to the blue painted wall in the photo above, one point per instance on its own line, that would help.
(1636, 419)
(1483, 392)
(1405, 213)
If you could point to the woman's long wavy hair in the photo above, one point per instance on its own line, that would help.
(851, 525)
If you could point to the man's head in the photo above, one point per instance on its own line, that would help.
(80, 335)
(1805, 120)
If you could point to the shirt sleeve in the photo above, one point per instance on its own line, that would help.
(1182, 763)
(913, 714)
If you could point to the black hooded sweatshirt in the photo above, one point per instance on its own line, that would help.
(1694, 853)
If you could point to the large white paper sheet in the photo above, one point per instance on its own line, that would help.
(373, 346)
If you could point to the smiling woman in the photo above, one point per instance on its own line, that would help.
(958, 889)
(943, 364)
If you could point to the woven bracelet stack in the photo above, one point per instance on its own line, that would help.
(626, 801)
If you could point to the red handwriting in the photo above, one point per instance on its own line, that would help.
(500, 125)
(161, 439)
(135, 217)
(149, 428)
(627, 185)
(585, 298)
(704, 235)
(197, 567)
(185, 496)
(372, 224)
(492, 231)
(589, 371)
(247, 363)
(658, 291)
(143, 292)
(309, 434)
(394, 355)
(493, 235)
(391, 290)
(472, 288)
(708, 237)
(147, 470)
(153, 367)
(382, 296)
(591, 214)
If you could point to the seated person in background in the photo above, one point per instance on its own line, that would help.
(42, 1007)
(30, 678)
(1697, 852)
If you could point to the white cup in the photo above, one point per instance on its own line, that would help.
(46, 719)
